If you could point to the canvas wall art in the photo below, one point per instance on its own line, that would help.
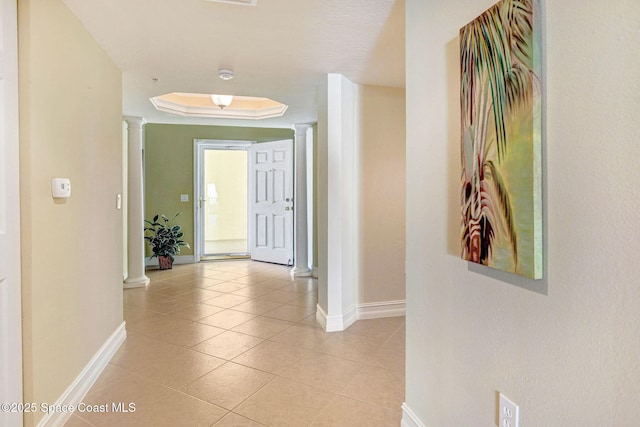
(500, 94)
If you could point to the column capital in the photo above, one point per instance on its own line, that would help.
(135, 122)
(302, 127)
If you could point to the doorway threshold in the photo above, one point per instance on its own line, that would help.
(223, 257)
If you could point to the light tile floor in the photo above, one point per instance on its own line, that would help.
(235, 343)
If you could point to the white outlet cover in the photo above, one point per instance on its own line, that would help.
(184, 197)
(509, 415)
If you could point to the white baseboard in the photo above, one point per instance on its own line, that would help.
(139, 282)
(83, 382)
(335, 323)
(321, 317)
(409, 419)
(301, 272)
(346, 320)
(178, 259)
(375, 310)
(372, 310)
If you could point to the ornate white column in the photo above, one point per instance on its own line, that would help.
(301, 263)
(135, 205)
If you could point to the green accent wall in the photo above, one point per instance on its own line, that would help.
(168, 166)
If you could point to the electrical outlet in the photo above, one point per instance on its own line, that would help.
(509, 413)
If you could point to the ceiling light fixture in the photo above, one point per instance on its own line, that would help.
(225, 74)
(222, 101)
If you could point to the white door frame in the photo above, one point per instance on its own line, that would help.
(199, 147)
(10, 285)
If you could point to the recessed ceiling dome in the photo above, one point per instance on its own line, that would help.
(201, 105)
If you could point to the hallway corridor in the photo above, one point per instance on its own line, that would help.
(235, 343)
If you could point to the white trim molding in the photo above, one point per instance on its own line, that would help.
(335, 323)
(375, 310)
(140, 282)
(321, 317)
(371, 310)
(295, 272)
(199, 191)
(409, 418)
(74, 394)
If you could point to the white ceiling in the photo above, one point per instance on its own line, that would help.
(280, 49)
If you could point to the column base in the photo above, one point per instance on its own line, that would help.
(301, 272)
(137, 282)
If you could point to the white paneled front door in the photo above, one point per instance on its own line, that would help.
(10, 299)
(271, 202)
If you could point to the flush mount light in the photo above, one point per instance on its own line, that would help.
(225, 74)
(222, 100)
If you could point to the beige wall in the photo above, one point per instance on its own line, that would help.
(70, 126)
(564, 348)
(382, 205)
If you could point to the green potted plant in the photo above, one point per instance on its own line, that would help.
(165, 239)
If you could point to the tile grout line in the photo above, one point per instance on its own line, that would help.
(298, 303)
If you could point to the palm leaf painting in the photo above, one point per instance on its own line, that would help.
(500, 101)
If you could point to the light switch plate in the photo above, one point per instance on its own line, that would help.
(184, 197)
